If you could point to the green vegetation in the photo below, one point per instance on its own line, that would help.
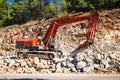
(3, 11)
(36, 9)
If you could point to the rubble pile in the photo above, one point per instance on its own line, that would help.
(101, 57)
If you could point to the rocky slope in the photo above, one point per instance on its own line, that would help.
(101, 57)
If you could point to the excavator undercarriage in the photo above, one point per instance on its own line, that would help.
(45, 48)
(26, 50)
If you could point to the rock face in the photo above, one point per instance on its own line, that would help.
(101, 57)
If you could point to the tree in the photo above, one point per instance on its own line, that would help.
(76, 5)
(49, 11)
(21, 12)
(3, 11)
(86, 5)
(63, 8)
(108, 4)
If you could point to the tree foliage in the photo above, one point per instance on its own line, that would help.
(3, 11)
(21, 12)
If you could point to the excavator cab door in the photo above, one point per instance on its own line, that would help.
(51, 44)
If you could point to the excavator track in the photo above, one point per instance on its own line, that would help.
(47, 55)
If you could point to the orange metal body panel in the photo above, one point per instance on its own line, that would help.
(29, 42)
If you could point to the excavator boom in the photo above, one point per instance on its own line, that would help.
(77, 17)
(51, 32)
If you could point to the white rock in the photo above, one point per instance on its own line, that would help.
(49, 72)
(108, 59)
(11, 63)
(17, 64)
(97, 66)
(20, 70)
(45, 71)
(33, 70)
(74, 69)
(64, 63)
(59, 68)
(99, 56)
(23, 64)
(26, 70)
(89, 68)
(70, 58)
(29, 64)
(36, 60)
(1, 62)
(70, 65)
(81, 64)
(80, 57)
(113, 56)
(58, 60)
(107, 66)
(18, 60)
(104, 62)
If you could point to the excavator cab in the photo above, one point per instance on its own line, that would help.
(51, 44)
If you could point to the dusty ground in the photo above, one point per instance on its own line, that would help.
(59, 77)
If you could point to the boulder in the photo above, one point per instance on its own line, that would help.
(23, 63)
(36, 60)
(1, 62)
(88, 69)
(59, 68)
(113, 56)
(81, 64)
(96, 66)
(11, 63)
(20, 70)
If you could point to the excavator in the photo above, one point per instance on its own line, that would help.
(45, 48)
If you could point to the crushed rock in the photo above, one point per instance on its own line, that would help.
(101, 57)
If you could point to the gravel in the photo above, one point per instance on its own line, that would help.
(101, 57)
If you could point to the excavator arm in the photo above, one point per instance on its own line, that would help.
(77, 17)
(51, 32)
(92, 25)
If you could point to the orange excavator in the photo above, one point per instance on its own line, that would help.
(45, 48)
